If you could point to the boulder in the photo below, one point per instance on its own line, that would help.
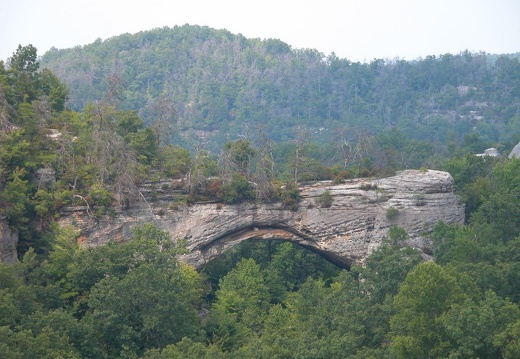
(515, 153)
(491, 152)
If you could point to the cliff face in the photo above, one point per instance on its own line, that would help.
(359, 217)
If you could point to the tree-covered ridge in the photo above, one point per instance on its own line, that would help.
(220, 84)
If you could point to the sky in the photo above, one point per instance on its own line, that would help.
(358, 30)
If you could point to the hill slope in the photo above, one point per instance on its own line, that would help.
(209, 82)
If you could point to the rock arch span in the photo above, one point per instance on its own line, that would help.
(344, 233)
(258, 232)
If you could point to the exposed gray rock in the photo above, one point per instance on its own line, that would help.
(8, 242)
(54, 134)
(515, 153)
(45, 177)
(345, 233)
(492, 152)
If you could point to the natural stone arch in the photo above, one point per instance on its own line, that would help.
(345, 232)
(221, 245)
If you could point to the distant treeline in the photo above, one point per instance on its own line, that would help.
(213, 85)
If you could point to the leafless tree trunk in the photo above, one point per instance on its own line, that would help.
(5, 112)
(265, 167)
(302, 138)
(162, 114)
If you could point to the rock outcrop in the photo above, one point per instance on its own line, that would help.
(360, 215)
(491, 152)
(515, 153)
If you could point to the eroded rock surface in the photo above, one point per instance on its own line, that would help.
(354, 225)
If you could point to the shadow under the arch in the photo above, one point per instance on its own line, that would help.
(292, 260)
(218, 247)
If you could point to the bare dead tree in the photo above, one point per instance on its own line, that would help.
(196, 176)
(116, 85)
(163, 117)
(362, 148)
(343, 146)
(42, 109)
(6, 111)
(301, 140)
(87, 206)
(265, 166)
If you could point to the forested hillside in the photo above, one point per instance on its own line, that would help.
(211, 86)
(95, 129)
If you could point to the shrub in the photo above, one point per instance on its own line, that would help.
(397, 235)
(100, 198)
(419, 200)
(238, 190)
(325, 200)
(392, 213)
(288, 193)
(214, 189)
(368, 186)
(342, 176)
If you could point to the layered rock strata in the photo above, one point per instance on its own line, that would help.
(346, 232)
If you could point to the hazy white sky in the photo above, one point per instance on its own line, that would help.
(359, 30)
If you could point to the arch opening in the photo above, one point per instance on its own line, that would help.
(218, 247)
(277, 258)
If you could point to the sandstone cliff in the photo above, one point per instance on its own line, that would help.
(360, 215)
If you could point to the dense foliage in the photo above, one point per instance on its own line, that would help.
(267, 299)
(211, 84)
